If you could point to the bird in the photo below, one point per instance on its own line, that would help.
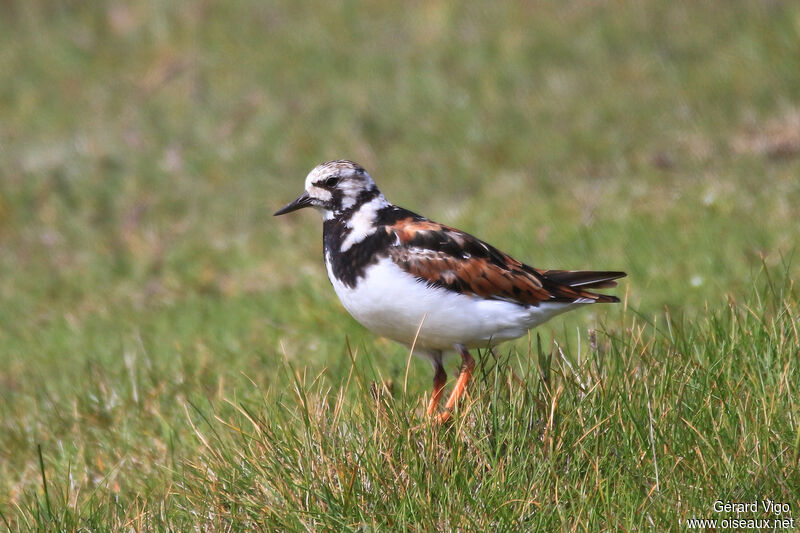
(429, 286)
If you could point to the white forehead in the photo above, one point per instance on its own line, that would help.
(316, 175)
(341, 168)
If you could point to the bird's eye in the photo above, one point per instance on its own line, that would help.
(331, 182)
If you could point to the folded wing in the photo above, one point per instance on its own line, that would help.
(446, 257)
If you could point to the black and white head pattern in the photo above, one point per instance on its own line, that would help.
(340, 187)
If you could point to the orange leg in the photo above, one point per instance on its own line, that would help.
(467, 366)
(439, 380)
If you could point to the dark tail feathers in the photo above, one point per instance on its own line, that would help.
(580, 280)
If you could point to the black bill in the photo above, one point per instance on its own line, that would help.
(303, 201)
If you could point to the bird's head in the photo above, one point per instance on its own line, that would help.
(334, 188)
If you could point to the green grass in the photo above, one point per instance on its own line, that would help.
(174, 357)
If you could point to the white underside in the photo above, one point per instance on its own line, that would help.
(393, 304)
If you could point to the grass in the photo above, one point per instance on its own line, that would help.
(611, 442)
(172, 357)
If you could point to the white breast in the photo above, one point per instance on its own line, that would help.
(392, 303)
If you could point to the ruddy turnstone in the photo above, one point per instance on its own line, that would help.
(425, 284)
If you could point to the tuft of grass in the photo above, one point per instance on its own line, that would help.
(646, 426)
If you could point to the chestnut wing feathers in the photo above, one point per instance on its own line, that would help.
(446, 257)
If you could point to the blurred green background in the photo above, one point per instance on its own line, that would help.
(144, 146)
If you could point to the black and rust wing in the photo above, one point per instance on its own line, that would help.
(452, 259)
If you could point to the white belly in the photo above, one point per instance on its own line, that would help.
(393, 304)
